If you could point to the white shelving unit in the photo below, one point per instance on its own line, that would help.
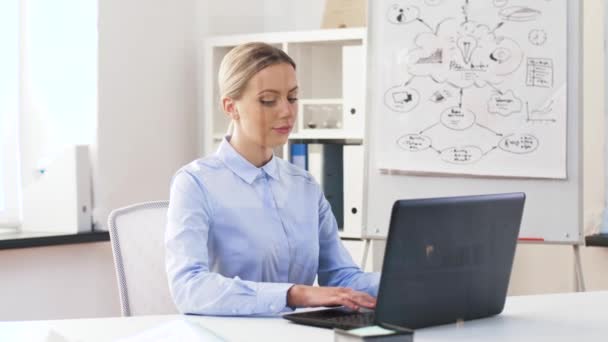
(331, 76)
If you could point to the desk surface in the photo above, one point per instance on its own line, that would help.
(560, 317)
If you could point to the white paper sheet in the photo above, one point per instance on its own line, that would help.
(177, 330)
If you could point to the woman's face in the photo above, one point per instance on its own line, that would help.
(268, 107)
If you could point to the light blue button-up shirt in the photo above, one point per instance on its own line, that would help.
(238, 237)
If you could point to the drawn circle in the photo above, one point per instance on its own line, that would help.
(504, 104)
(508, 47)
(401, 99)
(537, 37)
(461, 154)
(500, 3)
(519, 143)
(500, 55)
(519, 13)
(414, 142)
(457, 118)
(398, 14)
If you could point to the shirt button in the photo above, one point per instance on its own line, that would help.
(271, 307)
(234, 311)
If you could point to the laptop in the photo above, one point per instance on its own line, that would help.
(447, 260)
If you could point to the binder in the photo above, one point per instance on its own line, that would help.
(333, 184)
(326, 165)
(299, 155)
(353, 190)
(315, 162)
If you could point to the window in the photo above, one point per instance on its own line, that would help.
(9, 109)
(59, 74)
(48, 90)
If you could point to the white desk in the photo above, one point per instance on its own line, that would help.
(563, 317)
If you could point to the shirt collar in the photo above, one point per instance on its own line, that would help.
(241, 166)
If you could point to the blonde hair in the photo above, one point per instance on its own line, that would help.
(242, 63)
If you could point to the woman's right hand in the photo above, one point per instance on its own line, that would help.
(313, 296)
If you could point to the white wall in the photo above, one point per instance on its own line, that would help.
(593, 120)
(283, 15)
(149, 89)
(147, 124)
(238, 16)
(58, 282)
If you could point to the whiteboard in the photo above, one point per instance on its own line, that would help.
(453, 131)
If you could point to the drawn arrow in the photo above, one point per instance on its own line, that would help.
(460, 104)
(498, 26)
(425, 23)
(464, 11)
(410, 80)
(484, 127)
(490, 150)
(496, 89)
(428, 128)
(434, 149)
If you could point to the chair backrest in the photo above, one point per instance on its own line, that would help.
(137, 235)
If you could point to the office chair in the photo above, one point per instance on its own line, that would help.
(137, 233)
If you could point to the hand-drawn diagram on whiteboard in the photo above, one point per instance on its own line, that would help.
(473, 87)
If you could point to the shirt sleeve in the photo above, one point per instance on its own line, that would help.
(336, 266)
(194, 288)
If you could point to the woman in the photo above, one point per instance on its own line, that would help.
(248, 232)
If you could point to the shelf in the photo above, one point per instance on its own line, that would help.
(329, 64)
(348, 235)
(331, 110)
(323, 35)
(31, 239)
(315, 137)
(319, 69)
(320, 101)
(324, 134)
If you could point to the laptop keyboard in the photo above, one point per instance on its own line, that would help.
(334, 318)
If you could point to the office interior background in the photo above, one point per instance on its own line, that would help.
(140, 115)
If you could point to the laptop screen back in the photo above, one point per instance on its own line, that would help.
(448, 259)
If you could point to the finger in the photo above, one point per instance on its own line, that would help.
(346, 299)
(360, 298)
(356, 305)
(349, 298)
(365, 300)
(346, 302)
